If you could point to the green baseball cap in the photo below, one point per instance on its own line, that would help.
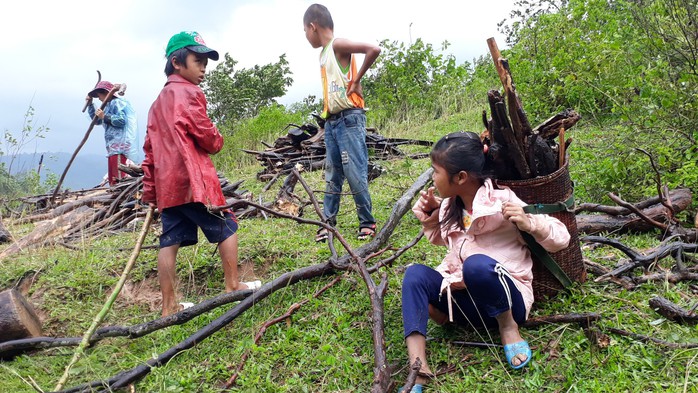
(192, 41)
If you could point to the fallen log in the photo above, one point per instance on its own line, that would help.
(45, 231)
(592, 224)
(5, 235)
(17, 317)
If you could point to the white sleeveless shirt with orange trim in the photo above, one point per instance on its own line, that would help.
(335, 83)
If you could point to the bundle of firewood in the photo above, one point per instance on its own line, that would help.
(304, 145)
(517, 150)
(78, 215)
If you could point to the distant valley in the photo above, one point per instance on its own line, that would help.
(86, 171)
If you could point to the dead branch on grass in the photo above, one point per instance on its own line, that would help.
(648, 339)
(672, 311)
(675, 250)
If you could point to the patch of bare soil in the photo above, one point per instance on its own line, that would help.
(145, 293)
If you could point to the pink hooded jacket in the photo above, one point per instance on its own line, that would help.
(177, 168)
(490, 234)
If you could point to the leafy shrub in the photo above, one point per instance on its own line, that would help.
(414, 80)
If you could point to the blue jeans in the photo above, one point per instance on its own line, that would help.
(490, 291)
(347, 157)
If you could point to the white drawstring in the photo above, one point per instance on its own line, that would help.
(450, 304)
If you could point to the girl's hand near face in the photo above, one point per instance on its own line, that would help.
(429, 202)
(516, 215)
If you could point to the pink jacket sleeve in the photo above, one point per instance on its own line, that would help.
(430, 223)
(549, 232)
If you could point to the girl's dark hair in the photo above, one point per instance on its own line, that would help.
(181, 56)
(319, 14)
(456, 152)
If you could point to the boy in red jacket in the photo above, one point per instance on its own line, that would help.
(178, 174)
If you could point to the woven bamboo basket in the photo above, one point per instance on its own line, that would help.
(553, 188)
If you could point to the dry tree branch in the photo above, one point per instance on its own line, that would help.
(639, 213)
(397, 253)
(662, 191)
(127, 377)
(14, 347)
(412, 375)
(648, 339)
(662, 251)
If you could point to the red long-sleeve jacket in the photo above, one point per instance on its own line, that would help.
(180, 139)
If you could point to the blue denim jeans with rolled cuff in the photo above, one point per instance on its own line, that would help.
(490, 291)
(347, 158)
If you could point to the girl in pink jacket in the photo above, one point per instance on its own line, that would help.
(485, 278)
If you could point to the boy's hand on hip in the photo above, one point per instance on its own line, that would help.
(355, 87)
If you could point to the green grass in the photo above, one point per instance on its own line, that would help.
(326, 346)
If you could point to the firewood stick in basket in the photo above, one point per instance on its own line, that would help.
(561, 146)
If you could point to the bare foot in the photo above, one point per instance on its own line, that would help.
(424, 375)
(169, 311)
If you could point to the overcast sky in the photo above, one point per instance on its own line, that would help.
(52, 49)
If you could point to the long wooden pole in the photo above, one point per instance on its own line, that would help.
(107, 306)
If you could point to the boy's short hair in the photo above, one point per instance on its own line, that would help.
(320, 15)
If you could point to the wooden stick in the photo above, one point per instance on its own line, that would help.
(107, 306)
(561, 148)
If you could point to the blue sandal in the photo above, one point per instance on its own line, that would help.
(518, 348)
(417, 388)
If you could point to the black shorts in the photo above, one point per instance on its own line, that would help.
(180, 225)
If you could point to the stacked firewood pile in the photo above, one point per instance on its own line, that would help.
(304, 145)
(517, 150)
(78, 215)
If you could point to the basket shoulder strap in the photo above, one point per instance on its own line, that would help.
(546, 259)
(543, 208)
